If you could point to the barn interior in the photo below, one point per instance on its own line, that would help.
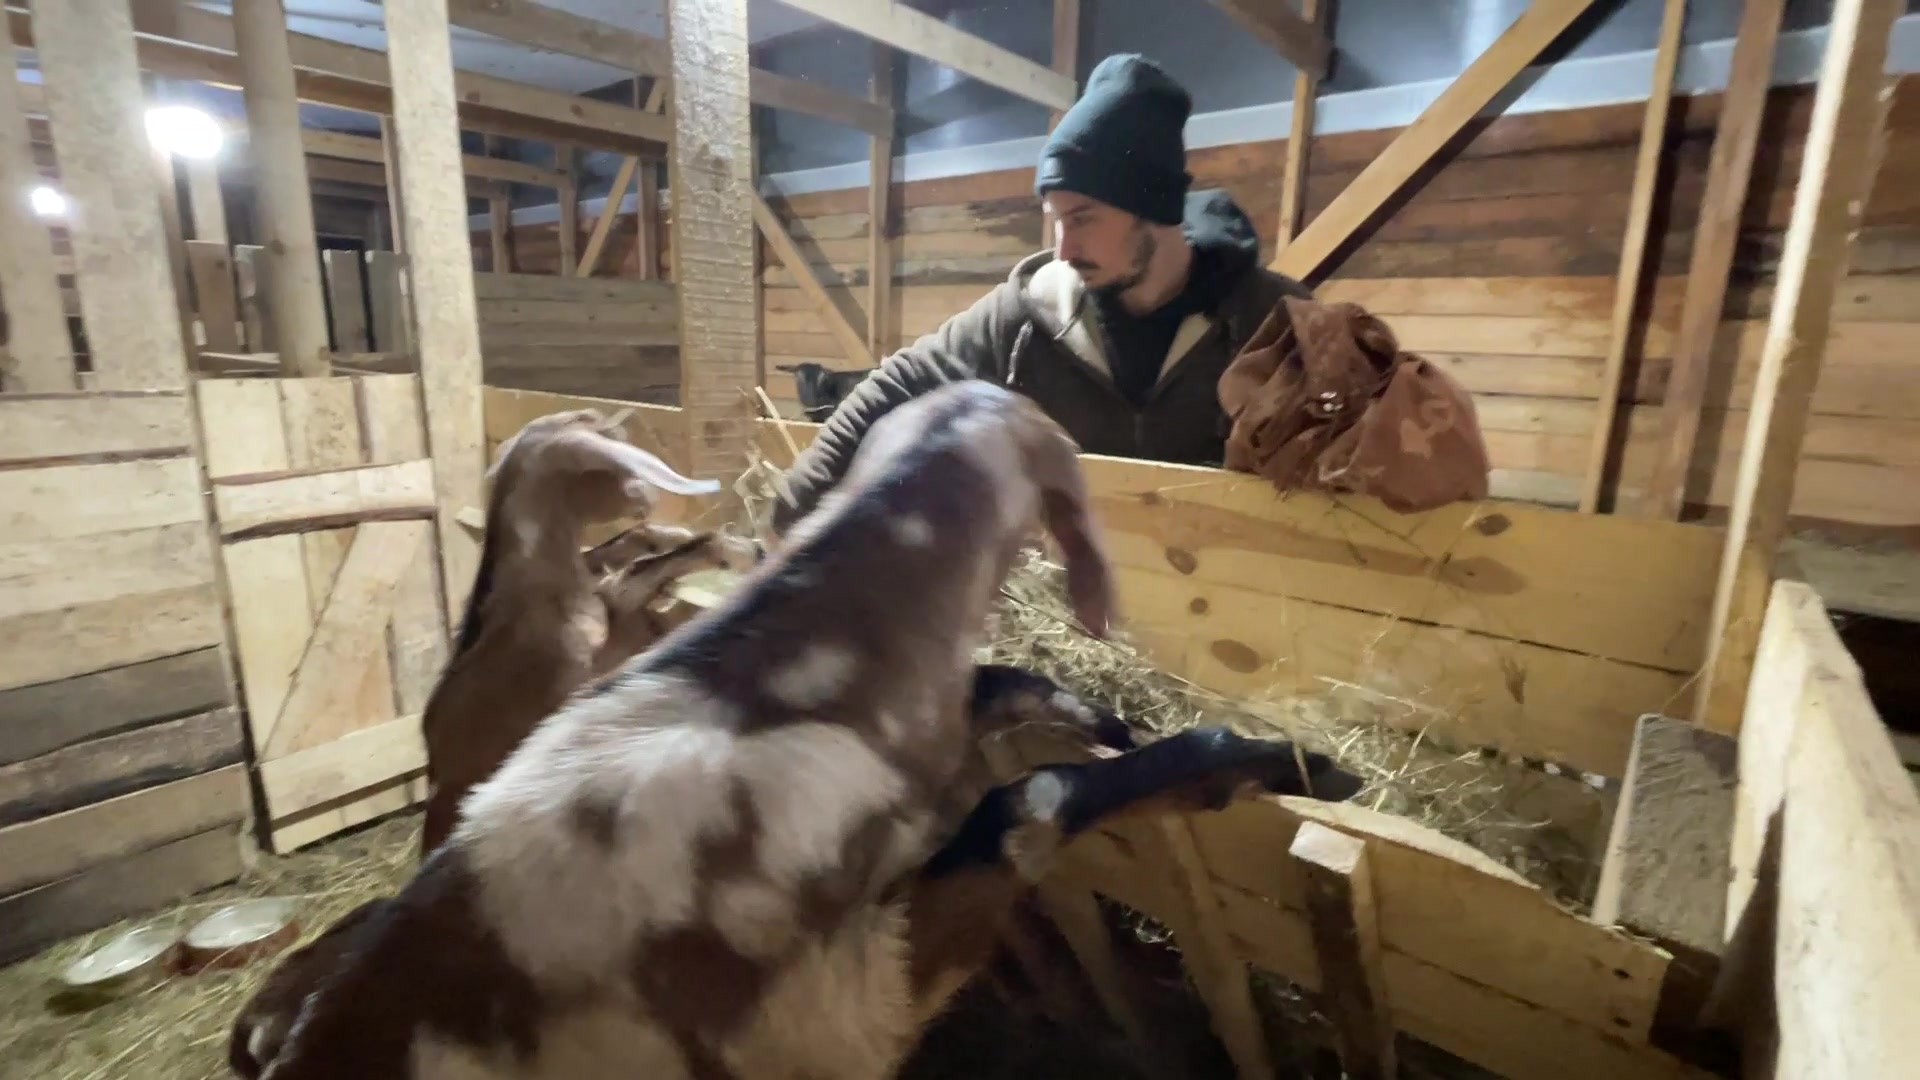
(1641, 729)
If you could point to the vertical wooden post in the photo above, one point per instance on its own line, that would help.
(1293, 176)
(1346, 942)
(204, 201)
(283, 198)
(568, 196)
(1842, 154)
(1066, 61)
(1633, 250)
(880, 215)
(440, 271)
(646, 214)
(126, 287)
(712, 186)
(39, 352)
(1716, 231)
(396, 209)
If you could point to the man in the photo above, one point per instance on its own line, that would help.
(1121, 331)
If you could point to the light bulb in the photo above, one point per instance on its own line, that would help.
(48, 202)
(184, 131)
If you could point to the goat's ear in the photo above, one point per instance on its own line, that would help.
(592, 451)
(1063, 505)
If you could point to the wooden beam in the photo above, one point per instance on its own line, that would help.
(923, 35)
(1716, 230)
(205, 201)
(1345, 924)
(340, 144)
(712, 224)
(569, 199)
(38, 357)
(1293, 175)
(190, 43)
(603, 225)
(1520, 45)
(283, 202)
(789, 255)
(440, 273)
(1294, 36)
(880, 215)
(126, 283)
(646, 221)
(1633, 249)
(1842, 154)
(1066, 61)
(499, 225)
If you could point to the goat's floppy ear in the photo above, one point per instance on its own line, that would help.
(1063, 504)
(592, 451)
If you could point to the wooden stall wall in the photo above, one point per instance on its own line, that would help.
(597, 336)
(1500, 266)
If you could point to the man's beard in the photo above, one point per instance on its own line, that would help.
(1144, 249)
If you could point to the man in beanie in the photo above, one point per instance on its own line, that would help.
(1122, 330)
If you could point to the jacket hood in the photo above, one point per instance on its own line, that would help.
(1215, 225)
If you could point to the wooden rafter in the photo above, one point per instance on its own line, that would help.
(1456, 106)
(880, 214)
(1716, 233)
(1293, 35)
(1066, 61)
(923, 35)
(1633, 249)
(1293, 176)
(1843, 148)
(340, 144)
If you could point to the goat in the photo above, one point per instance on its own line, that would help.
(706, 865)
(543, 617)
(821, 389)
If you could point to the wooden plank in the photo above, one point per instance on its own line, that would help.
(360, 759)
(88, 772)
(68, 501)
(789, 255)
(1346, 945)
(1462, 100)
(714, 205)
(1066, 61)
(879, 216)
(1843, 151)
(211, 267)
(127, 300)
(646, 222)
(272, 618)
(45, 717)
(389, 325)
(350, 147)
(250, 282)
(1293, 174)
(38, 352)
(38, 577)
(117, 890)
(609, 213)
(347, 301)
(568, 197)
(206, 204)
(440, 276)
(417, 637)
(73, 841)
(282, 199)
(76, 425)
(923, 35)
(655, 308)
(328, 499)
(1626, 286)
(777, 91)
(1294, 36)
(545, 289)
(1219, 972)
(327, 819)
(73, 641)
(1846, 949)
(519, 335)
(345, 639)
(1734, 144)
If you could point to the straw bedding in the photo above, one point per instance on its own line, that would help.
(178, 1029)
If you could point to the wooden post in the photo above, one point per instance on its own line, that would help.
(440, 271)
(396, 209)
(1346, 941)
(1716, 230)
(646, 214)
(204, 201)
(1293, 177)
(1842, 154)
(1066, 61)
(38, 357)
(282, 199)
(1626, 285)
(713, 207)
(568, 196)
(879, 215)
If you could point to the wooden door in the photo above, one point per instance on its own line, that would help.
(324, 498)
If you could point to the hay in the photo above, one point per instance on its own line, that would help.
(177, 1029)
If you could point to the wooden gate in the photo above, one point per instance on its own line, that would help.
(324, 498)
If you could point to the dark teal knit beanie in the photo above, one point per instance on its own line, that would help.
(1123, 142)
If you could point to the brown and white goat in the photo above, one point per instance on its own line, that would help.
(705, 866)
(544, 617)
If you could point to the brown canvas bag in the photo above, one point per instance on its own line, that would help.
(1322, 398)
